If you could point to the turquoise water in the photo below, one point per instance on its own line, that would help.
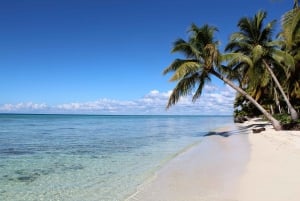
(90, 158)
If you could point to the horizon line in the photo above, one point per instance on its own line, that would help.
(78, 114)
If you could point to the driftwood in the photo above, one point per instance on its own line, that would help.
(258, 130)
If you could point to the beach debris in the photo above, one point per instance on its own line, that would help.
(258, 130)
(223, 134)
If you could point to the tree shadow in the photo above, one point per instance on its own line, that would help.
(240, 131)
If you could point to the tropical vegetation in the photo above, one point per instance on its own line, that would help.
(264, 71)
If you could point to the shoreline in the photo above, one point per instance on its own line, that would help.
(160, 187)
(240, 167)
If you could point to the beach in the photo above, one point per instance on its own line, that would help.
(272, 172)
(241, 167)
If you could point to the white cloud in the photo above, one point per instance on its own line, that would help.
(214, 100)
(23, 107)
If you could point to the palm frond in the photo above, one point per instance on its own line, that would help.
(185, 48)
(183, 88)
(174, 65)
(258, 20)
(284, 59)
(203, 78)
(267, 32)
(265, 78)
(275, 44)
(205, 34)
(290, 23)
(237, 36)
(297, 56)
(245, 26)
(238, 46)
(185, 69)
(235, 58)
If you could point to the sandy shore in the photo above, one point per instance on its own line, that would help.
(242, 167)
(273, 171)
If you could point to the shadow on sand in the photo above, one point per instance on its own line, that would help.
(241, 130)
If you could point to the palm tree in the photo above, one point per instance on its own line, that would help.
(290, 42)
(254, 40)
(202, 60)
(290, 34)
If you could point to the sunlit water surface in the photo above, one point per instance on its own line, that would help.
(90, 158)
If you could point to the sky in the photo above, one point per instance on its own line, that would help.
(107, 56)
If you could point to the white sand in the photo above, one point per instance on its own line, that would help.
(254, 167)
(273, 171)
(198, 174)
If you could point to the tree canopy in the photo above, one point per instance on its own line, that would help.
(265, 71)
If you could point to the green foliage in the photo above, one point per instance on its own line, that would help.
(193, 72)
(252, 58)
(246, 109)
(283, 118)
(254, 40)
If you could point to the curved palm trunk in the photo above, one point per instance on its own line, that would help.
(276, 124)
(294, 113)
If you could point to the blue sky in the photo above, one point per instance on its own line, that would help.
(107, 57)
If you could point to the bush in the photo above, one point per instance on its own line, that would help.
(283, 118)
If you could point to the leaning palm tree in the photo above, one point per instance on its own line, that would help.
(255, 41)
(203, 60)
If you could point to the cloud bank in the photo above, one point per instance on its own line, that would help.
(215, 100)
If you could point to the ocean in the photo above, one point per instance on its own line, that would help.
(90, 157)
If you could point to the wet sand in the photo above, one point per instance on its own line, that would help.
(207, 171)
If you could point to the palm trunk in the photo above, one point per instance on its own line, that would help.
(276, 124)
(277, 102)
(294, 113)
(272, 110)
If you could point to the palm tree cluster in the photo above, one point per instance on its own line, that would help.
(264, 71)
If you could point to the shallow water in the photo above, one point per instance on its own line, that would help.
(86, 157)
